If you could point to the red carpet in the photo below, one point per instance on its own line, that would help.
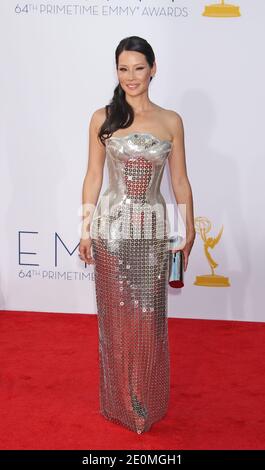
(49, 386)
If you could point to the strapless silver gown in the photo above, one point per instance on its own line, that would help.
(130, 245)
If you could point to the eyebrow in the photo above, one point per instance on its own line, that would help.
(140, 63)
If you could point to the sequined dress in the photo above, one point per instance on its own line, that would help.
(129, 232)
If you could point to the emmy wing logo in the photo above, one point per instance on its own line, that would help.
(221, 10)
(203, 226)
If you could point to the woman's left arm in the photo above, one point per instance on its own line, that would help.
(180, 183)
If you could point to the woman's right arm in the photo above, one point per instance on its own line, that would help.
(92, 182)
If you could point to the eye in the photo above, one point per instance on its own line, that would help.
(138, 68)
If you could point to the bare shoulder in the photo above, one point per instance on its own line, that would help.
(98, 117)
(174, 120)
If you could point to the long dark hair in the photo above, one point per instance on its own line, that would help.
(119, 113)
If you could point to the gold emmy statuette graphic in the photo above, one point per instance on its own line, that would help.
(203, 226)
(221, 10)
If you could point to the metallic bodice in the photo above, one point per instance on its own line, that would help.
(135, 163)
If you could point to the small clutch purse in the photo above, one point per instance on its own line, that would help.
(176, 263)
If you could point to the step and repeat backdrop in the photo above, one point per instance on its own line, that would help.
(58, 67)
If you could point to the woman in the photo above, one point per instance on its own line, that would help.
(127, 238)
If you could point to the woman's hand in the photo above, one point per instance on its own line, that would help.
(85, 251)
(186, 247)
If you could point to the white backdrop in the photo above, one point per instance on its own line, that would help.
(58, 66)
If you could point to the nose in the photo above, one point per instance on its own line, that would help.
(131, 75)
